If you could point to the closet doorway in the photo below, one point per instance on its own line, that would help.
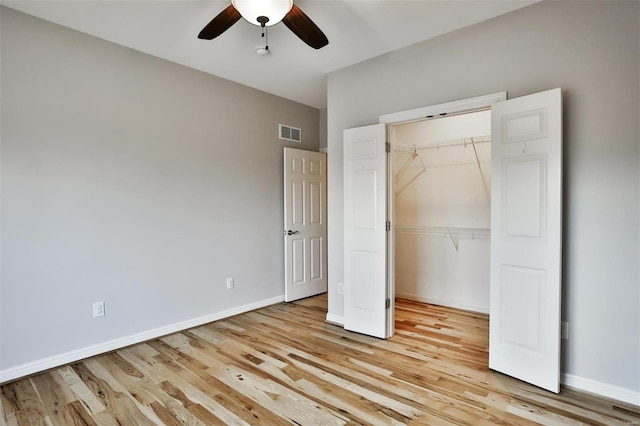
(442, 209)
(526, 229)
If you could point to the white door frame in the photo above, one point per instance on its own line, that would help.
(417, 114)
(448, 108)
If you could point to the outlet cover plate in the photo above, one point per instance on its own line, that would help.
(98, 309)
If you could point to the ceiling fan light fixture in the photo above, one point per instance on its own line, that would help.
(251, 10)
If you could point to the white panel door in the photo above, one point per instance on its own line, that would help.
(365, 236)
(526, 238)
(305, 225)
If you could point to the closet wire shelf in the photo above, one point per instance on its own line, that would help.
(454, 234)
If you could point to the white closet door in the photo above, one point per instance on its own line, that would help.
(526, 238)
(365, 232)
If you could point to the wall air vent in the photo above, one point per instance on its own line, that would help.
(289, 133)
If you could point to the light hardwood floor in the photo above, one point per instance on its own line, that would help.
(285, 365)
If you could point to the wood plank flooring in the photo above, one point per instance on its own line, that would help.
(285, 365)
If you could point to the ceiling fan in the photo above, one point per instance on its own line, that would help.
(265, 13)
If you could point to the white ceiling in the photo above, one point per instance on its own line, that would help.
(357, 30)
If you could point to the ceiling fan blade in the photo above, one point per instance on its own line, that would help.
(220, 23)
(300, 24)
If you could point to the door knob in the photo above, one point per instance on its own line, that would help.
(290, 232)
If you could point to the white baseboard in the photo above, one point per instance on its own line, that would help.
(587, 385)
(335, 319)
(472, 308)
(601, 389)
(76, 355)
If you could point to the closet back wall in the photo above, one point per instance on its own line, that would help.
(442, 210)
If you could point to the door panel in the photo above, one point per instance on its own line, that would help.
(298, 262)
(366, 282)
(305, 183)
(524, 182)
(526, 238)
(522, 309)
(315, 203)
(365, 199)
(317, 250)
(297, 202)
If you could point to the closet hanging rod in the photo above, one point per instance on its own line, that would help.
(443, 144)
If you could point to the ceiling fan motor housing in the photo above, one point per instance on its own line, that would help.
(254, 11)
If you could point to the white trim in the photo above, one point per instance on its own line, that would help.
(89, 351)
(601, 389)
(335, 319)
(471, 308)
(446, 108)
(324, 149)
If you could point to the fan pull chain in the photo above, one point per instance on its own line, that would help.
(265, 35)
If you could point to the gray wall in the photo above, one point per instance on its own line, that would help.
(590, 50)
(136, 181)
(323, 128)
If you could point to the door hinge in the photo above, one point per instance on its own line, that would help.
(388, 226)
(387, 147)
(387, 303)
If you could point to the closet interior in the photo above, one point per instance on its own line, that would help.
(442, 210)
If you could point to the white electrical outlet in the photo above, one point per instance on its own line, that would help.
(340, 288)
(98, 309)
(230, 283)
(564, 330)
